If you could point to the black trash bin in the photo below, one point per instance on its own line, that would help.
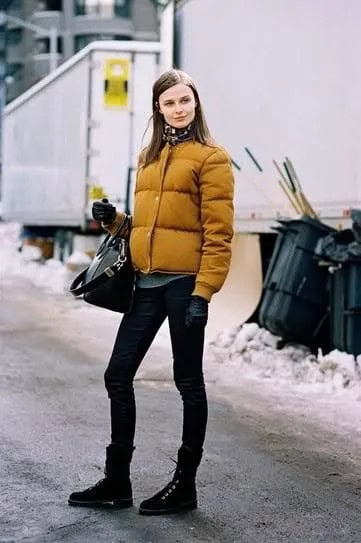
(342, 251)
(345, 306)
(294, 302)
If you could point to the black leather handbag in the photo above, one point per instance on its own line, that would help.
(109, 279)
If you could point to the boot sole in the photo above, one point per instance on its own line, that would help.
(187, 506)
(115, 504)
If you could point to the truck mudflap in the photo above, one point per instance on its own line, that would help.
(242, 290)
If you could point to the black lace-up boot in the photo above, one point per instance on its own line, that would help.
(180, 494)
(115, 490)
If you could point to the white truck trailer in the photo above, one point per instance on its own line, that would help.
(74, 136)
(282, 78)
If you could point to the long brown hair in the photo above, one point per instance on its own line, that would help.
(200, 129)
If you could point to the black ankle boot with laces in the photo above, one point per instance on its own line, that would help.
(180, 494)
(115, 490)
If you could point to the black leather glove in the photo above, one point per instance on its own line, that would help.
(197, 312)
(103, 211)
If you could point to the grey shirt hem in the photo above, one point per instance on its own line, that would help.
(152, 280)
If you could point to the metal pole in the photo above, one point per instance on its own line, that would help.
(53, 49)
(25, 24)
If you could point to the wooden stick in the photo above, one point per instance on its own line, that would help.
(310, 211)
(301, 202)
(293, 173)
(255, 162)
(296, 200)
(284, 186)
(237, 166)
(284, 179)
(306, 204)
(291, 182)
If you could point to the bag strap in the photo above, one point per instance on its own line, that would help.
(102, 278)
(125, 224)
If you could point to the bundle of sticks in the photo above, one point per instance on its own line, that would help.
(291, 186)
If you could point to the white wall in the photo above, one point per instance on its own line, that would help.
(283, 78)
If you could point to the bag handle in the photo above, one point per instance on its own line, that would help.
(126, 222)
(109, 272)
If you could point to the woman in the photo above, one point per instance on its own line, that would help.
(181, 248)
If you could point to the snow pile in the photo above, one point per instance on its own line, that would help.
(9, 237)
(51, 274)
(253, 352)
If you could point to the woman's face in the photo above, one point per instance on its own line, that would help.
(178, 106)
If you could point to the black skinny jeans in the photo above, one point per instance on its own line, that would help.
(136, 332)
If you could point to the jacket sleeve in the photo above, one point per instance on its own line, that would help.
(216, 191)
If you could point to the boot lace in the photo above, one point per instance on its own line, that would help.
(169, 489)
(172, 485)
(99, 484)
(176, 465)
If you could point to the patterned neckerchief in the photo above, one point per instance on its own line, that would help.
(177, 135)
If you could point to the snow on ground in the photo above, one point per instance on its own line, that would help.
(253, 352)
(326, 384)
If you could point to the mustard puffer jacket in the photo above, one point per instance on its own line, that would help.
(183, 215)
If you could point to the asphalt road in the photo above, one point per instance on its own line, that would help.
(255, 484)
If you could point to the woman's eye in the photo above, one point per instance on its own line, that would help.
(185, 99)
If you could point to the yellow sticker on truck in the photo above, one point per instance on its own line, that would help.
(116, 82)
(96, 192)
